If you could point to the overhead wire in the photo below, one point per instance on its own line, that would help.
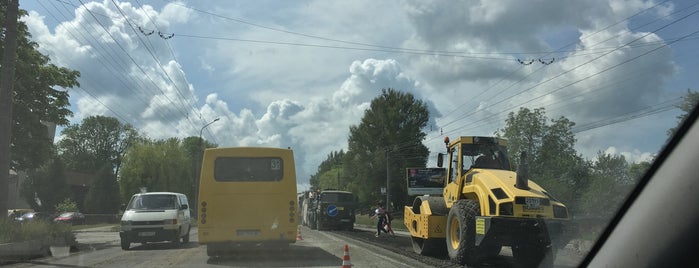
(560, 50)
(110, 53)
(643, 112)
(184, 113)
(584, 78)
(605, 54)
(96, 45)
(462, 116)
(172, 53)
(158, 97)
(596, 58)
(158, 63)
(91, 94)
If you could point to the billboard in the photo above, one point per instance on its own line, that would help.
(422, 181)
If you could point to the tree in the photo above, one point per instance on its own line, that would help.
(161, 165)
(609, 185)
(688, 102)
(637, 170)
(193, 147)
(329, 173)
(40, 98)
(103, 196)
(37, 94)
(46, 186)
(99, 141)
(554, 164)
(389, 134)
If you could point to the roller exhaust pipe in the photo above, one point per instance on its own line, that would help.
(522, 173)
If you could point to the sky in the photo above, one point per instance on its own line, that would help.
(299, 73)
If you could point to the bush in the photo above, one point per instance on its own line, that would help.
(11, 231)
(66, 205)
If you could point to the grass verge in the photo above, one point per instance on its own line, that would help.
(397, 222)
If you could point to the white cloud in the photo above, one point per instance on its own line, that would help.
(312, 127)
(175, 12)
(307, 95)
(634, 156)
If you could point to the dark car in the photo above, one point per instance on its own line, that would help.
(34, 216)
(71, 218)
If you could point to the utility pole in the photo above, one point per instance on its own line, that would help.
(388, 182)
(7, 78)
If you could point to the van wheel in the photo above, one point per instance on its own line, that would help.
(125, 244)
(176, 240)
(185, 239)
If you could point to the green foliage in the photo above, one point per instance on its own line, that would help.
(66, 206)
(103, 196)
(40, 95)
(329, 174)
(35, 230)
(98, 146)
(637, 170)
(554, 164)
(397, 223)
(162, 165)
(609, 185)
(193, 147)
(47, 184)
(98, 141)
(389, 134)
(689, 101)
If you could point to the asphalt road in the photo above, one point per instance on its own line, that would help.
(99, 247)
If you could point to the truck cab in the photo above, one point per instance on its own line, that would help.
(333, 209)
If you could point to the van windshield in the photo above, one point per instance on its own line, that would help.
(153, 201)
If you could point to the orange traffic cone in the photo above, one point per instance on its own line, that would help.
(346, 260)
(298, 234)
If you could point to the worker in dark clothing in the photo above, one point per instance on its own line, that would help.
(487, 160)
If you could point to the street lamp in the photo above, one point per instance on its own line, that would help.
(200, 152)
(202, 130)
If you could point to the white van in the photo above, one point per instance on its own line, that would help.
(155, 217)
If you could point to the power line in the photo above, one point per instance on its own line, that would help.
(644, 112)
(111, 64)
(157, 62)
(600, 72)
(172, 53)
(547, 63)
(132, 59)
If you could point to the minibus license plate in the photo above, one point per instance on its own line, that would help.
(146, 234)
(248, 232)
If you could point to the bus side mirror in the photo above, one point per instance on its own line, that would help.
(440, 159)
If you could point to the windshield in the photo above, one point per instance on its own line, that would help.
(105, 104)
(485, 156)
(153, 201)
